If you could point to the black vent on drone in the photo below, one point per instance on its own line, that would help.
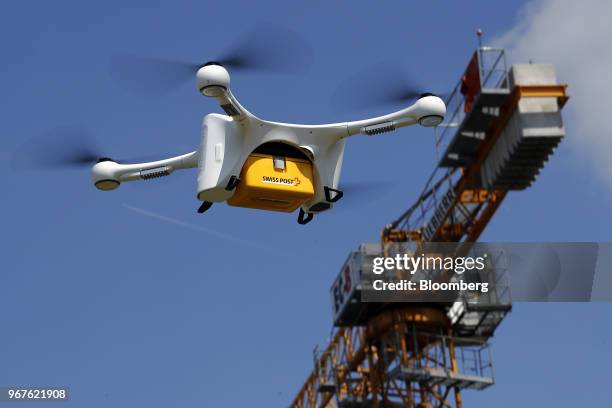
(379, 128)
(281, 149)
(103, 159)
(155, 173)
(213, 63)
(426, 94)
(230, 110)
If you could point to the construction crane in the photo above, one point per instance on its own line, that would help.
(502, 125)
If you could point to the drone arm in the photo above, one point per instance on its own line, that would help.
(380, 124)
(148, 170)
(107, 175)
(428, 107)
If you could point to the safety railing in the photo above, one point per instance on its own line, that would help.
(492, 69)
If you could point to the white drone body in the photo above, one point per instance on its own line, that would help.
(228, 140)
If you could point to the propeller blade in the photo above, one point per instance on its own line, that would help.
(270, 48)
(380, 85)
(267, 48)
(357, 193)
(68, 146)
(151, 76)
(64, 147)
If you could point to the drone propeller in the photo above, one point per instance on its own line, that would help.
(361, 192)
(265, 48)
(384, 84)
(62, 147)
(270, 48)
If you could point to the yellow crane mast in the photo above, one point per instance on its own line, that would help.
(501, 127)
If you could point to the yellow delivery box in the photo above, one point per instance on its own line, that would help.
(275, 183)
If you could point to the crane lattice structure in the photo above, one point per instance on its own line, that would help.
(501, 127)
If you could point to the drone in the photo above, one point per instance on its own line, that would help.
(247, 161)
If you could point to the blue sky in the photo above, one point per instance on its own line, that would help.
(128, 310)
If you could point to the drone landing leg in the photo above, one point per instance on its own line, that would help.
(204, 207)
(304, 218)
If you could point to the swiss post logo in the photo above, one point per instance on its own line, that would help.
(281, 180)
